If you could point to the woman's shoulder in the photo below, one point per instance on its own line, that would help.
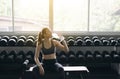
(39, 45)
(55, 42)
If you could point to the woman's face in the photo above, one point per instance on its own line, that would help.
(47, 33)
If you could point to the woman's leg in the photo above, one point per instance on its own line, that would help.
(36, 73)
(60, 70)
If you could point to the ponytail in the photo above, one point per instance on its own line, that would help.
(40, 37)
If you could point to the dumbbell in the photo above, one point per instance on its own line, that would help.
(106, 56)
(3, 55)
(31, 37)
(29, 42)
(78, 41)
(23, 37)
(94, 37)
(62, 57)
(3, 42)
(71, 57)
(98, 56)
(118, 41)
(88, 41)
(12, 42)
(113, 42)
(30, 56)
(15, 38)
(80, 57)
(115, 56)
(6, 37)
(20, 57)
(20, 42)
(70, 41)
(96, 41)
(89, 56)
(11, 57)
(105, 42)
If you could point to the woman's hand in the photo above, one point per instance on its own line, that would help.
(41, 70)
(58, 37)
(62, 38)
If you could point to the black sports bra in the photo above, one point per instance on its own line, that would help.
(46, 51)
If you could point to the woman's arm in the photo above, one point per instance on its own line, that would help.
(62, 45)
(36, 58)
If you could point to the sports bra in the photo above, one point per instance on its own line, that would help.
(48, 51)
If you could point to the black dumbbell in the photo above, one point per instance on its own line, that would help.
(88, 41)
(6, 37)
(113, 42)
(106, 56)
(62, 57)
(89, 56)
(70, 41)
(3, 55)
(20, 58)
(118, 41)
(98, 56)
(30, 56)
(29, 42)
(12, 42)
(105, 42)
(97, 42)
(15, 38)
(23, 37)
(11, 57)
(20, 42)
(78, 41)
(80, 57)
(71, 57)
(3, 42)
(94, 37)
(115, 56)
(31, 37)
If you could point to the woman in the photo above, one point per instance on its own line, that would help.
(46, 45)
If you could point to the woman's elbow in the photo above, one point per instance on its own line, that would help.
(35, 58)
(66, 50)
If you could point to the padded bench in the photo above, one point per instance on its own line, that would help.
(70, 70)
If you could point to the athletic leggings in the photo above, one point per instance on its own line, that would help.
(49, 66)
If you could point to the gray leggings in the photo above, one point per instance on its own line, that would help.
(50, 66)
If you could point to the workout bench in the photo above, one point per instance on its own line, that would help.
(70, 70)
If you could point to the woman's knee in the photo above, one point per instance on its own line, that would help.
(59, 67)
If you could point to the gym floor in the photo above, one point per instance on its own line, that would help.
(98, 73)
(103, 73)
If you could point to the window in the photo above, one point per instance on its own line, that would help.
(104, 15)
(31, 15)
(70, 15)
(87, 15)
(5, 15)
(60, 15)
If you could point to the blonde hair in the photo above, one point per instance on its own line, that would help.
(41, 35)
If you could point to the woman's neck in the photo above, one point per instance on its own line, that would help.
(47, 39)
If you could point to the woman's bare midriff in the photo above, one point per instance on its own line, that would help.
(50, 56)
